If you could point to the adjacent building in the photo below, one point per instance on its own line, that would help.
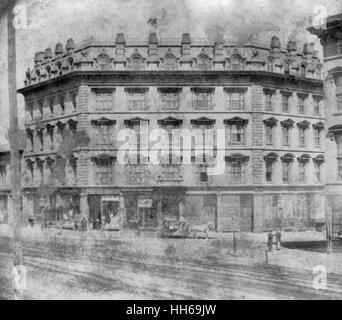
(331, 40)
(267, 99)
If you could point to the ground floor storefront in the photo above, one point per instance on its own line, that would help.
(225, 210)
(334, 201)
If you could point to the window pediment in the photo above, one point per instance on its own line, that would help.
(169, 90)
(235, 90)
(272, 122)
(288, 158)
(104, 159)
(304, 158)
(318, 126)
(336, 129)
(287, 123)
(271, 157)
(170, 121)
(236, 121)
(269, 91)
(134, 121)
(103, 121)
(236, 159)
(319, 159)
(203, 90)
(136, 90)
(202, 121)
(304, 124)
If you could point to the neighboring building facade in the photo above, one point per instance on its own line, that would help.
(331, 40)
(5, 186)
(267, 99)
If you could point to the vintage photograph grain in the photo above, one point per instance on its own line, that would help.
(170, 150)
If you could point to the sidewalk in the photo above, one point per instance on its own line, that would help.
(250, 248)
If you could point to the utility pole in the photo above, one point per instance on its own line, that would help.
(14, 136)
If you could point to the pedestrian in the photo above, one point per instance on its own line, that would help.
(278, 239)
(270, 241)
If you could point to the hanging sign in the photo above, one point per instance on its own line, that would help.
(145, 203)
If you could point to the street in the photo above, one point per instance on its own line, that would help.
(116, 278)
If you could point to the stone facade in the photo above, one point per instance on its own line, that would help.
(331, 40)
(268, 101)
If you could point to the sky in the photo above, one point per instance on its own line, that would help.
(52, 21)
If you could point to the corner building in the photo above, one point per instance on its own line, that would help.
(331, 40)
(267, 98)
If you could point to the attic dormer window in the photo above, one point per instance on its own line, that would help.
(170, 62)
(236, 63)
(203, 63)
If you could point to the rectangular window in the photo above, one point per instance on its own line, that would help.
(103, 133)
(137, 101)
(236, 134)
(339, 102)
(203, 176)
(104, 172)
(30, 109)
(302, 137)
(3, 175)
(103, 98)
(318, 172)
(41, 109)
(286, 172)
(235, 101)
(62, 103)
(316, 107)
(301, 167)
(203, 101)
(73, 96)
(236, 173)
(301, 105)
(170, 100)
(285, 101)
(340, 169)
(286, 140)
(268, 102)
(317, 138)
(269, 135)
(269, 172)
(51, 105)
